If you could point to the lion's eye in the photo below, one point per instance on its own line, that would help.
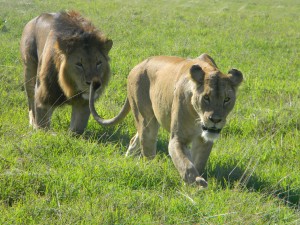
(227, 99)
(79, 65)
(206, 98)
(99, 64)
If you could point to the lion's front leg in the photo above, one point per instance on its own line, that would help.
(30, 71)
(181, 158)
(80, 117)
(200, 152)
(42, 111)
(43, 116)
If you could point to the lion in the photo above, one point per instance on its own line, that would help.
(62, 54)
(190, 98)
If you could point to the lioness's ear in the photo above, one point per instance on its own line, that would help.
(206, 58)
(235, 76)
(197, 74)
(107, 45)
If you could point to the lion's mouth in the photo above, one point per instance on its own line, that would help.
(211, 130)
(86, 95)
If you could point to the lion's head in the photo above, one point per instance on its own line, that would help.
(82, 55)
(214, 95)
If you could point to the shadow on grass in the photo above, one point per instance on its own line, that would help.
(231, 175)
(118, 134)
(110, 134)
(226, 175)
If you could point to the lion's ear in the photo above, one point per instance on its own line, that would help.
(107, 45)
(64, 45)
(206, 58)
(60, 45)
(197, 74)
(235, 76)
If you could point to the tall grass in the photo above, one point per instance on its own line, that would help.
(253, 172)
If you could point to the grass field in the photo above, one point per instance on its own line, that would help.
(254, 169)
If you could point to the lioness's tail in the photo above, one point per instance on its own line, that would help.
(107, 122)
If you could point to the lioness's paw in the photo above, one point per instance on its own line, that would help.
(200, 181)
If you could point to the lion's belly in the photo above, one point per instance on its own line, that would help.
(163, 117)
(162, 107)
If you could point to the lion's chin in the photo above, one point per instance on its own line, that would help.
(210, 134)
(86, 96)
(210, 137)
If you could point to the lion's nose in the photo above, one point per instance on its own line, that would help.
(215, 119)
(96, 85)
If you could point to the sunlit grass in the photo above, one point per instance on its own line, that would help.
(253, 172)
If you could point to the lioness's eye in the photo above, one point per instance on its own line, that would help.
(227, 99)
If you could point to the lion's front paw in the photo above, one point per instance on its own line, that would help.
(200, 181)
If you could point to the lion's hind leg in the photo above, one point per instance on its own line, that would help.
(144, 142)
(134, 148)
(149, 137)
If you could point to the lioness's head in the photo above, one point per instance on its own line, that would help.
(82, 55)
(214, 95)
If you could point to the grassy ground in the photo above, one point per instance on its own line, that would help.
(253, 172)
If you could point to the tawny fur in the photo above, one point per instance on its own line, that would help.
(190, 98)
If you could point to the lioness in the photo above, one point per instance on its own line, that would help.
(190, 98)
(62, 54)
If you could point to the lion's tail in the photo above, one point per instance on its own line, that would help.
(107, 122)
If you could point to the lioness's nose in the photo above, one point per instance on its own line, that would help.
(215, 119)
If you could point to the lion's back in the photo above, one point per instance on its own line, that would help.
(34, 36)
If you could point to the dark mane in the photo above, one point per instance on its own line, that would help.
(73, 30)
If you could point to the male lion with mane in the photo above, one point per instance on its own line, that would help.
(62, 54)
(190, 98)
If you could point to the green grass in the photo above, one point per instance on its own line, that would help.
(253, 172)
